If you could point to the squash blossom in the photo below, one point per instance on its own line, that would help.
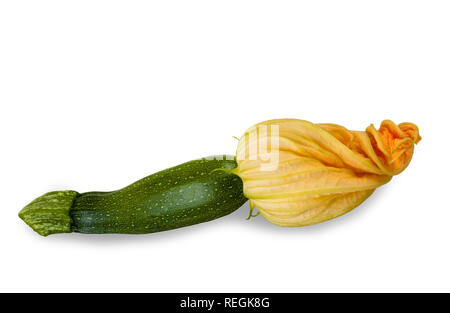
(298, 173)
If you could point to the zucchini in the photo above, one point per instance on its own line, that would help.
(191, 193)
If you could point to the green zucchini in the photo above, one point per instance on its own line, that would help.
(187, 194)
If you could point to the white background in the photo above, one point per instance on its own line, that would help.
(97, 94)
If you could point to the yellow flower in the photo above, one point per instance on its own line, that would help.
(298, 173)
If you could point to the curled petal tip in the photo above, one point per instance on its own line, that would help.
(394, 144)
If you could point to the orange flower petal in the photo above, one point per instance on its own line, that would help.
(298, 173)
